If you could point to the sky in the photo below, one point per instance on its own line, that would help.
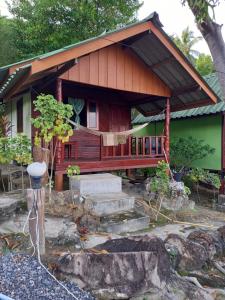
(172, 14)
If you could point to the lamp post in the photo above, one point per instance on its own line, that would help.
(35, 203)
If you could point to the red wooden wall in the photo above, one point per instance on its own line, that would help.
(118, 68)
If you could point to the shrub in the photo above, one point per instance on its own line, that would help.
(184, 151)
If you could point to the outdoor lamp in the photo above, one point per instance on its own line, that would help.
(36, 170)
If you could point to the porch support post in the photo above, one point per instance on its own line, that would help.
(167, 129)
(58, 181)
(59, 97)
(58, 144)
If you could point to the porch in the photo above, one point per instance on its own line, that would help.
(104, 111)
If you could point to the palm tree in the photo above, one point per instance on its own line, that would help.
(186, 43)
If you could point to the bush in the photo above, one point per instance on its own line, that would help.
(184, 151)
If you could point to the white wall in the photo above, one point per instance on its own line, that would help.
(12, 114)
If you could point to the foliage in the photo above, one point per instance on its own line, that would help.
(72, 170)
(16, 148)
(46, 25)
(185, 150)
(197, 175)
(149, 172)
(186, 43)
(201, 8)
(5, 124)
(52, 120)
(21, 147)
(213, 179)
(6, 151)
(8, 51)
(187, 190)
(204, 64)
(160, 183)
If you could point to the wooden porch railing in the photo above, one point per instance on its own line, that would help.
(136, 147)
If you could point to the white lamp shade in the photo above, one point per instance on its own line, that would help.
(37, 169)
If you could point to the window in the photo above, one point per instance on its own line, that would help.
(19, 112)
(92, 115)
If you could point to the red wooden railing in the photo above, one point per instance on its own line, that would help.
(135, 147)
(146, 146)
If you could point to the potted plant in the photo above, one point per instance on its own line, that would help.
(186, 150)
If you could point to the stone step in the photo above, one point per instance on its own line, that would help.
(9, 204)
(96, 183)
(108, 204)
(125, 222)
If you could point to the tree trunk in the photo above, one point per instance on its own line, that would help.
(212, 34)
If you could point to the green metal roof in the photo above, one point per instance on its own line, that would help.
(213, 82)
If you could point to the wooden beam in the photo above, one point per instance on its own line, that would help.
(162, 62)
(110, 165)
(51, 78)
(59, 152)
(181, 59)
(17, 86)
(185, 90)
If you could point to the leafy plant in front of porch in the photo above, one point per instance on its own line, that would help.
(159, 184)
(186, 150)
(21, 147)
(72, 171)
(52, 124)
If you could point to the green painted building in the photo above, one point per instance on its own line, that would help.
(204, 123)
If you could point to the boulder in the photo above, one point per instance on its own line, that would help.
(178, 289)
(179, 199)
(8, 207)
(208, 241)
(192, 256)
(120, 268)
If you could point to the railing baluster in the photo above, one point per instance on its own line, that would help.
(129, 145)
(143, 145)
(137, 145)
(114, 150)
(122, 149)
(156, 145)
(150, 146)
(101, 147)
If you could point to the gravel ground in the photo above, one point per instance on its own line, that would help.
(22, 278)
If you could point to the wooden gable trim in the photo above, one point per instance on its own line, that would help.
(88, 47)
(182, 61)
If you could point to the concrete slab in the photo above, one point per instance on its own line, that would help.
(107, 204)
(96, 239)
(55, 228)
(126, 222)
(96, 183)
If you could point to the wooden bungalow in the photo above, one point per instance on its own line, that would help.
(135, 66)
(204, 123)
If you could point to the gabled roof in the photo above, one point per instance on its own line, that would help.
(213, 81)
(147, 40)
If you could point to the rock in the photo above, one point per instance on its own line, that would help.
(179, 199)
(127, 267)
(210, 280)
(193, 256)
(8, 207)
(206, 240)
(177, 289)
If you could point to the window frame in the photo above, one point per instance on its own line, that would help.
(19, 116)
(88, 114)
